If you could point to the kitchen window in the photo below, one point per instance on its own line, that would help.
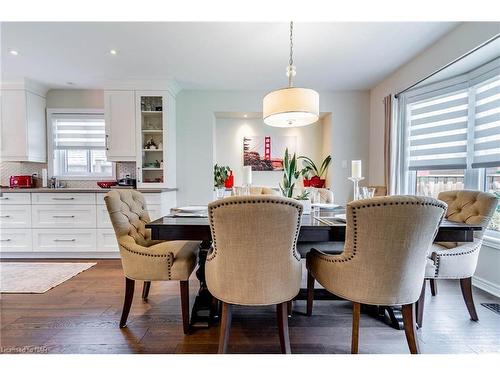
(78, 146)
(451, 136)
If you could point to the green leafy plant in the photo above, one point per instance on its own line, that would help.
(220, 175)
(303, 196)
(290, 174)
(310, 168)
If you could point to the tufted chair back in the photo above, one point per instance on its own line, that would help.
(263, 190)
(386, 245)
(254, 260)
(470, 207)
(128, 213)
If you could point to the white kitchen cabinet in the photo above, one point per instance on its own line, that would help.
(15, 240)
(14, 198)
(106, 240)
(61, 198)
(69, 216)
(15, 216)
(119, 117)
(68, 240)
(23, 126)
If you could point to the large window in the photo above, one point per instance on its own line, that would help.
(451, 136)
(79, 146)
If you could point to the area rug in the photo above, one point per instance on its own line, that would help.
(37, 277)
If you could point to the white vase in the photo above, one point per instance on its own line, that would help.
(220, 192)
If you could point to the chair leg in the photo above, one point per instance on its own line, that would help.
(225, 327)
(434, 290)
(356, 312)
(310, 293)
(466, 286)
(145, 290)
(129, 296)
(420, 306)
(289, 307)
(282, 312)
(184, 286)
(410, 327)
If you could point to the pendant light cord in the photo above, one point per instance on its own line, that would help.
(291, 44)
(290, 70)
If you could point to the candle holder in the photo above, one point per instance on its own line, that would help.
(355, 181)
(246, 189)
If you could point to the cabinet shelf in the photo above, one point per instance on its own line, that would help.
(148, 150)
(152, 169)
(149, 131)
(151, 112)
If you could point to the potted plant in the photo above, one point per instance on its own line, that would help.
(318, 175)
(290, 175)
(306, 202)
(220, 176)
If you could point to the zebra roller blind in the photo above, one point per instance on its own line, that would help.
(74, 131)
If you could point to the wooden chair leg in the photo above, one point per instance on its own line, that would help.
(282, 313)
(420, 306)
(145, 290)
(129, 296)
(433, 284)
(184, 286)
(310, 293)
(225, 327)
(466, 286)
(289, 307)
(356, 312)
(410, 327)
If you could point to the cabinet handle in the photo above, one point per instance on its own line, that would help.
(106, 142)
(6, 240)
(63, 216)
(63, 199)
(63, 240)
(6, 216)
(4, 198)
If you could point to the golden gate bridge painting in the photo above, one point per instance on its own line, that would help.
(265, 153)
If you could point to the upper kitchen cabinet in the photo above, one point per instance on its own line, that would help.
(119, 117)
(23, 126)
(155, 124)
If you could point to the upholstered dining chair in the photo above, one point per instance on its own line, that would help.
(144, 259)
(454, 260)
(383, 262)
(254, 261)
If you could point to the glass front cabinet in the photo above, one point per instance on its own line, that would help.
(152, 123)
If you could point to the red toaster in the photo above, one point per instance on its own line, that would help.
(21, 181)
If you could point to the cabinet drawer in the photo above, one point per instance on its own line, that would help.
(15, 240)
(106, 240)
(64, 240)
(103, 220)
(15, 216)
(74, 216)
(63, 198)
(15, 198)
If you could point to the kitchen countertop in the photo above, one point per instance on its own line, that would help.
(5, 189)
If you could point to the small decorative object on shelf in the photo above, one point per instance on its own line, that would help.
(150, 145)
(220, 176)
(356, 176)
(160, 146)
(318, 176)
(229, 183)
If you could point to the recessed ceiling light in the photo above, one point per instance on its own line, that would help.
(14, 52)
(245, 115)
(113, 51)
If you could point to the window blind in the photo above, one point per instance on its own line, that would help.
(437, 134)
(73, 131)
(487, 124)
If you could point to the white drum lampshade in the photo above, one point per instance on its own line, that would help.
(291, 107)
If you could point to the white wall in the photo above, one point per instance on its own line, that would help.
(75, 99)
(229, 135)
(454, 44)
(196, 135)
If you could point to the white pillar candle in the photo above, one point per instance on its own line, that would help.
(356, 169)
(247, 175)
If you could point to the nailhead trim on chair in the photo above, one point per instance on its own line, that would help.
(169, 256)
(299, 208)
(355, 225)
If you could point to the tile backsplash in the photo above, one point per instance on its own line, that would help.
(8, 169)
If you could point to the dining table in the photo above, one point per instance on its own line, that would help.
(320, 227)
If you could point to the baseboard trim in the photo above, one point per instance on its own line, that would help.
(486, 285)
(59, 255)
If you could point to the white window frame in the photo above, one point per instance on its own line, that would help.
(50, 144)
(474, 179)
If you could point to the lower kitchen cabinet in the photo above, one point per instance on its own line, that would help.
(64, 240)
(106, 240)
(16, 240)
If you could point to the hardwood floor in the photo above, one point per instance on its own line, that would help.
(82, 315)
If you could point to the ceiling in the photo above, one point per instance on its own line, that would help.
(213, 55)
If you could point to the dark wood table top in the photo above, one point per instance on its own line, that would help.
(312, 229)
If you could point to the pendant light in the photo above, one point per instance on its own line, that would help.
(291, 106)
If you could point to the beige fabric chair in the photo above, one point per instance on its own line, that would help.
(254, 259)
(383, 263)
(143, 258)
(452, 260)
(263, 190)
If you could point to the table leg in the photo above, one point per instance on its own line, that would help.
(202, 313)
